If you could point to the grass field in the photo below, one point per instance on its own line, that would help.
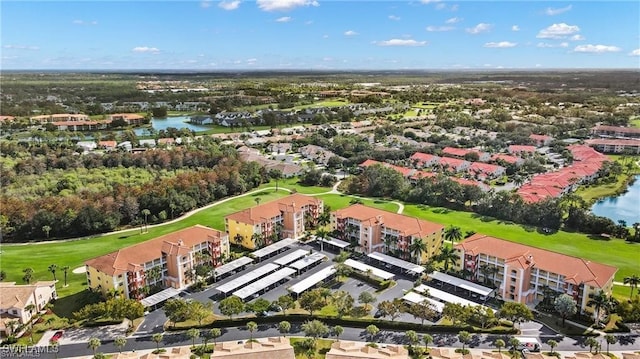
(593, 193)
(635, 122)
(338, 201)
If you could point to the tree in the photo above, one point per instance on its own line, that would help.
(251, 327)
(321, 234)
(337, 331)
(487, 271)
(591, 342)
(46, 229)
(427, 339)
(565, 306)
(259, 306)
(211, 334)
(231, 306)
(315, 329)
(632, 281)
(423, 311)
(610, 339)
(366, 298)
(324, 293)
(257, 199)
(412, 338)
(52, 268)
(515, 312)
(93, 344)
(499, 343)
(193, 334)
(145, 212)
(388, 309)
(177, 310)
(284, 327)
(65, 269)
(343, 302)
(448, 255)
(464, 337)
(598, 301)
(28, 275)
(453, 234)
(285, 302)
(552, 344)
(311, 301)
(372, 330)
(120, 343)
(157, 338)
(417, 248)
(513, 343)
(3, 275)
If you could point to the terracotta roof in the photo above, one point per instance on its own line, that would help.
(266, 211)
(506, 158)
(616, 129)
(485, 167)
(612, 142)
(407, 226)
(459, 152)
(356, 350)
(14, 295)
(575, 270)
(424, 157)
(540, 138)
(521, 148)
(107, 143)
(405, 172)
(118, 262)
(272, 348)
(452, 162)
(126, 116)
(466, 182)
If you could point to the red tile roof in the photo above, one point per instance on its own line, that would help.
(423, 157)
(616, 129)
(612, 142)
(405, 172)
(575, 270)
(452, 162)
(521, 148)
(506, 158)
(266, 211)
(407, 226)
(485, 168)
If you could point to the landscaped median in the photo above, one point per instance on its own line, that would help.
(344, 322)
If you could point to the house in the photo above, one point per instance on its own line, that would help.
(288, 217)
(175, 255)
(486, 169)
(523, 272)
(422, 160)
(108, 145)
(453, 164)
(405, 172)
(201, 120)
(7, 118)
(317, 154)
(343, 349)
(508, 159)
(615, 132)
(615, 145)
(19, 302)
(80, 125)
(375, 230)
(150, 143)
(86, 146)
(132, 119)
(540, 140)
(287, 170)
(463, 152)
(279, 148)
(519, 149)
(166, 142)
(60, 117)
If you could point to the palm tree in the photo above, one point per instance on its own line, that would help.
(598, 301)
(157, 338)
(193, 334)
(412, 338)
(324, 293)
(372, 330)
(258, 240)
(427, 339)
(321, 234)
(489, 270)
(213, 334)
(145, 212)
(46, 229)
(632, 281)
(464, 337)
(448, 254)
(238, 238)
(65, 269)
(417, 248)
(94, 344)
(552, 344)
(513, 343)
(257, 199)
(453, 234)
(52, 268)
(610, 339)
(591, 342)
(120, 343)
(284, 327)
(388, 242)
(499, 343)
(337, 331)
(28, 275)
(251, 327)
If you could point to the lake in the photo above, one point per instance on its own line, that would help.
(178, 122)
(623, 207)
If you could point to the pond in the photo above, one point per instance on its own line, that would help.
(178, 122)
(624, 207)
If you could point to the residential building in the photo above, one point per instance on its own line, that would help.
(317, 154)
(175, 255)
(60, 117)
(508, 159)
(463, 152)
(19, 302)
(629, 146)
(422, 160)
(405, 172)
(375, 230)
(615, 131)
(519, 149)
(279, 148)
(523, 272)
(453, 164)
(486, 169)
(343, 349)
(272, 348)
(287, 217)
(540, 140)
(132, 119)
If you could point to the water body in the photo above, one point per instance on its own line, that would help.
(178, 122)
(623, 207)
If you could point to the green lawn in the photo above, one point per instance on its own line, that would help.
(338, 201)
(592, 193)
(635, 122)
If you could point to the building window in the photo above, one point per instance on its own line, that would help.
(514, 272)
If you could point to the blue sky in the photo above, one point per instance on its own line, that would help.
(319, 35)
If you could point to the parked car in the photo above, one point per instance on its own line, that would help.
(57, 335)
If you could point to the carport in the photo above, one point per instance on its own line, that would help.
(307, 262)
(337, 244)
(153, 300)
(269, 250)
(415, 298)
(264, 284)
(365, 268)
(474, 288)
(312, 280)
(247, 278)
(410, 268)
(231, 267)
(291, 257)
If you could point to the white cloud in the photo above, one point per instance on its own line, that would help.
(635, 52)
(401, 42)
(501, 44)
(146, 49)
(350, 33)
(252, 60)
(480, 28)
(205, 4)
(308, 22)
(394, 18)
(548, 45)
(441, 6)
(453, 20)
(429, 1)
(577, 37)
(82, 22)
(553, 11)
(21, 47)
(439, 28)
(515, 28)
(284, 5)
(596, 49)
(454, 7)
(284, 19)
(229, 5)
(558, 31)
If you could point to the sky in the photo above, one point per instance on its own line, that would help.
(213, 35)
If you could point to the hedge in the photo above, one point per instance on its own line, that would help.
(350, 322)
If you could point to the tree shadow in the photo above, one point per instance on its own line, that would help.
(65, 306)
(441, 210)
(599, 237)
(482, 217)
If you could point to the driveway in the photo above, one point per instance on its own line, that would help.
(82, 335)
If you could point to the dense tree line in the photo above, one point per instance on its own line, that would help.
(207, 172)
